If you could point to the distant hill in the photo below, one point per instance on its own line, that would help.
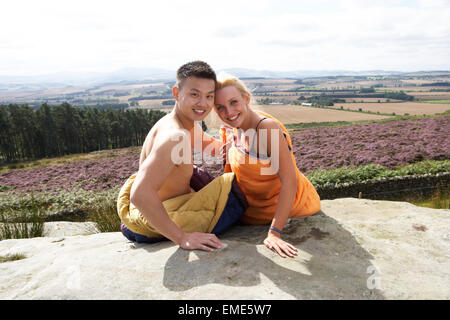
(92, 78)
(157, 74)
(298, 74)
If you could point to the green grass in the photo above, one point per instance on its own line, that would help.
(439, 200)
(370, 172)
(5, 188)
(12, 257)
(22, 230)
(435, 101)
(106, 217)
(28, 223)
(25, 213)
(57, 201)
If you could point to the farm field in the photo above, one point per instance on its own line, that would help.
(269, 82)
(369, 100)
(151, 103)
(348, 84)
(420, 86)
(400, 108)
(409, 89)
(280, 99)
(288, 114)
(447, 101)
(425, 95)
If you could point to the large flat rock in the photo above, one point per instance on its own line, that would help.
(353, 249)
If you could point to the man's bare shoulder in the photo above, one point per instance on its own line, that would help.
(169, 134)
(162, 150)
(166, 140)
(164, 134)
(167, 128)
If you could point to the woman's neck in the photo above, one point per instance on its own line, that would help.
(250, 121)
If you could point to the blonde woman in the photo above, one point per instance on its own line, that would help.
(260, 154)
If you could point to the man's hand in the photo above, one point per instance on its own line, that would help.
(199, 240)
(274, 242)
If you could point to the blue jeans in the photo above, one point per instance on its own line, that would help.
(136, 237)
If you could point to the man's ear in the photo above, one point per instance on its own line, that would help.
(175, 92)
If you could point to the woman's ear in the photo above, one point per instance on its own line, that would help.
(175, 92)
(247, 98)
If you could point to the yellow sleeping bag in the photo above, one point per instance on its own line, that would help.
(193, 212)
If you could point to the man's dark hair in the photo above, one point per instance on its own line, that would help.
(197, 69)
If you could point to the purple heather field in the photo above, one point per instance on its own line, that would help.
(389, 144)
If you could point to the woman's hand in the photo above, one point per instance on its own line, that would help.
(274, 242)
(223, 152)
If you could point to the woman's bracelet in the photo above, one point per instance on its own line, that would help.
(275, 229)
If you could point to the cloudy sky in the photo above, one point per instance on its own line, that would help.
(42, 37)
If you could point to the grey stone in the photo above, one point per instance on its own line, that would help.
(352, 249)
(65, 228)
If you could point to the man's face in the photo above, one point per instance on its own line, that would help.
(195, 97)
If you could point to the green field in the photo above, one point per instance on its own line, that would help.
(435, 101)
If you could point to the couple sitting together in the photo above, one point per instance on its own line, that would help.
(170, 198)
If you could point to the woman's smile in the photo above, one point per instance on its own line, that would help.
(234, 117)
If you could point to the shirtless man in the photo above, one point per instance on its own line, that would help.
(162, 176)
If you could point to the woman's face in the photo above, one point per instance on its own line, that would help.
(231, 106)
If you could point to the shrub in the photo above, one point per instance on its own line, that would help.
(30, 224)
(106, 217)
(321, 177)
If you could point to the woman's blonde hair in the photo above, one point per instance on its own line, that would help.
(225, 80)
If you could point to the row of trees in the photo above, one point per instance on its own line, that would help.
(398, 95)
(323, 100)
(51, 131)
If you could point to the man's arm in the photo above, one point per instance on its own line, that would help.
(151, 176)
(209, 144)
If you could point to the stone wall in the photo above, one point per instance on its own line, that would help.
(388, 189)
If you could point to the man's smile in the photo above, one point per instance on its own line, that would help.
(199, 111)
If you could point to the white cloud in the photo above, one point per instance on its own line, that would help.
(50, 36)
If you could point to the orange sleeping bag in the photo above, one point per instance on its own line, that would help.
(262, 191)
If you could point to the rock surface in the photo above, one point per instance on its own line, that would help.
(353, 249)
(66, 228)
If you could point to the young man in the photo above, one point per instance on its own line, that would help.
(165, 170)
